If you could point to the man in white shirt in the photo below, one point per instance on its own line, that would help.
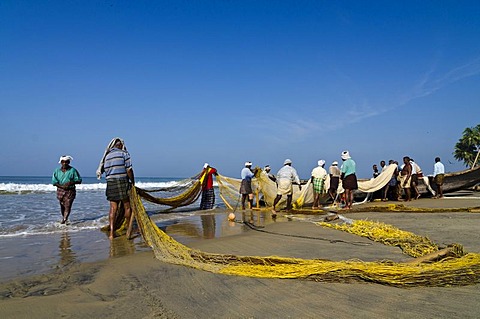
(438, 175)
(319, 175)
(286, 176)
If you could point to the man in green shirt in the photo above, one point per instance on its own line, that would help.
(64, 178)
(349, 178)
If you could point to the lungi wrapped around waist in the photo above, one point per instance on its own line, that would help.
(284, 187)
(117, 189)
(350, 182)
(66, 196)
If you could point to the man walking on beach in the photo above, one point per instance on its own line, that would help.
(438, 175)
(286, 176)
(118, 170)
(64, 178)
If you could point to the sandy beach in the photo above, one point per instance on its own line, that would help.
(139, 286)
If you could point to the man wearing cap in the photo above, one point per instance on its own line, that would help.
(208, 193)
(246, 187)
(335, 173)
(267, 171)
(65, 178)
(117, 165)
(319, 175)
(286, 176)
(349, 178)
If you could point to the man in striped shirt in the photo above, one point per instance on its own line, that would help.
(120, 178)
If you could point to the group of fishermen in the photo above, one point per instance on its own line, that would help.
(287, 176)
(116, 164)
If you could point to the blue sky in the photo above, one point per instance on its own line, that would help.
(224, 82)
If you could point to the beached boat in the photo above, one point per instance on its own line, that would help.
(455, 181)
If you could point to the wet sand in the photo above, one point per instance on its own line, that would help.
(140, 286)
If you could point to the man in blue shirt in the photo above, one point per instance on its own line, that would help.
(64, 178)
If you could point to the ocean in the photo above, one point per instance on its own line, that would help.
(33, 241)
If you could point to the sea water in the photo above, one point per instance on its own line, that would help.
(32, 240)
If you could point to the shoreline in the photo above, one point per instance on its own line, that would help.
(141, 286)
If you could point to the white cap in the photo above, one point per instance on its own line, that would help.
(287, 161)
(345, 155)
(321, 162)
(64, 158)
(205, 165)
(248, 163)
(334, 163)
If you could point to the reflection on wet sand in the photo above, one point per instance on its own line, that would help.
(208, 225)
(256, 218)
(121, 246)
(67, 256)
(203, 226)
(216, 225)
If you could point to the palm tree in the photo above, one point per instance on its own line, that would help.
(468, 146)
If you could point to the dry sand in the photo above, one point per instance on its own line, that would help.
(140, 286)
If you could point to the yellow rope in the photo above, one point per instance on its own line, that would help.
(464, 270)
(411, 244)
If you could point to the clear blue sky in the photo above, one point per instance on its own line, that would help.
(224, 82)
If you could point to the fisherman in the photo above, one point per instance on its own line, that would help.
(438, 176)
(208, 193)
(335, 173)
(246, 186)
(375, 171)
(286, 176)
(349, 178)
(65, 178)
(319, 175)
(405, 176)
(416, 173)
(392, 183)
(117, 166)
(267, 171)
(377, 194)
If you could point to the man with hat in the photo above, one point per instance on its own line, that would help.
(335, 173)
(117, 166)
(64, 178)
(246, 186)
(208, 193)
(349, 178)
(286, 176)
(267, 171)
(319, 175)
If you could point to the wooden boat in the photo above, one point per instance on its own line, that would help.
(452, 182)
(455, 181)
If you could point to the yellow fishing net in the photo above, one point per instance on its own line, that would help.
(189, 196)
(463, 269)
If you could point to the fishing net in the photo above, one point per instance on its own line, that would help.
(461, 269)
(265, 190)
(185, 198)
